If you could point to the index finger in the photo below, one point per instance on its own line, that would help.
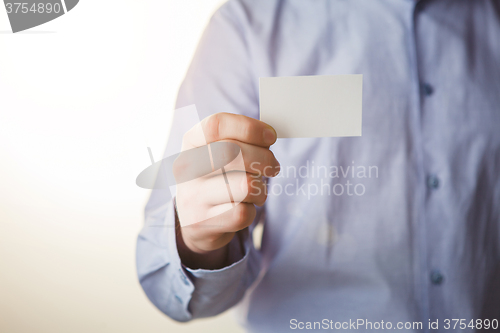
(224, 126)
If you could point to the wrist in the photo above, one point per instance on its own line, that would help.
(195, 258)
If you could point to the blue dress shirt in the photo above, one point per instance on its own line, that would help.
(404, 226)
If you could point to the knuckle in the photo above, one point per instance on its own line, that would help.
(243, 214)
(212, 126)
(240, 213)
(246, 129)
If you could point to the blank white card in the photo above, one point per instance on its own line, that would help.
(312, 106)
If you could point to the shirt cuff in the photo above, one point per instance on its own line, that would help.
(219, 289)
(237, 256)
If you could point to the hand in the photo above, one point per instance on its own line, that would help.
(208, 216)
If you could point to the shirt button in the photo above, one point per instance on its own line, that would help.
(427, 89)
(436, 277)
(432, 182)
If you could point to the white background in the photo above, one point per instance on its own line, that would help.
(74, 94)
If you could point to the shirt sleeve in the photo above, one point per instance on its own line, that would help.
(183, 293)
(218, 80)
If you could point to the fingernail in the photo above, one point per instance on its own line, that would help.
(269, 136)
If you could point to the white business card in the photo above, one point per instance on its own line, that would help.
(312, 106)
